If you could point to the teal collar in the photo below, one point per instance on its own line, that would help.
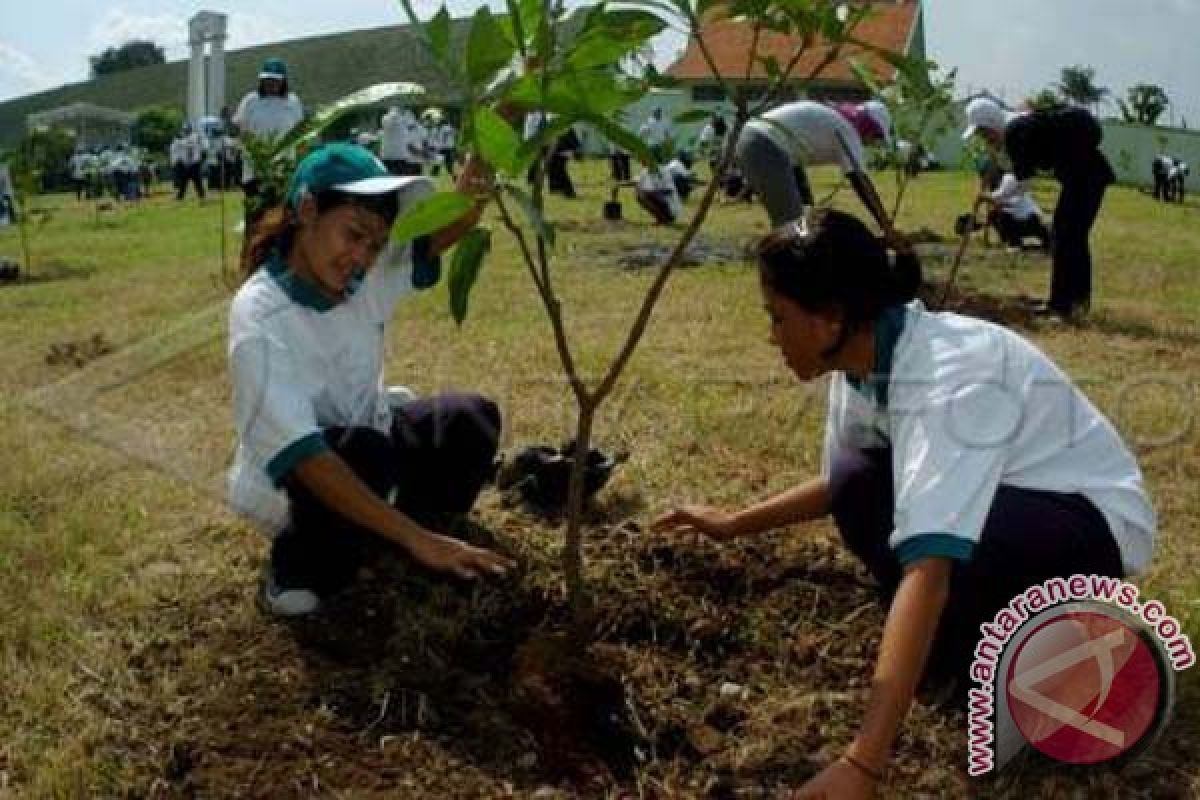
(301, 290)
(888, 328)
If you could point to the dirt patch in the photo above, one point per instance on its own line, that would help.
(78, 353)
(596, 226)
(645, 255)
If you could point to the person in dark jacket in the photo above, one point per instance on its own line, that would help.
(1066, 142)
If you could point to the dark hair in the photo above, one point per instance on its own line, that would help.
(838, 264)
(719, 126)
(275, 230)
(283, 87)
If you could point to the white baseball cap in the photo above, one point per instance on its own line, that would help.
(984, 112)
(878, 113)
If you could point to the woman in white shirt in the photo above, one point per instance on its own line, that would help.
(331, 463)
(270, 111)
(961, 466)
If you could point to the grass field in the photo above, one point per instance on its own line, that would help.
(134, 663)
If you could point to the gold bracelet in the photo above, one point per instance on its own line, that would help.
(871, 773)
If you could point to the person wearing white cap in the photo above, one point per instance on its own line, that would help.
(1067, 142)
(336, 467)
(774, 150)
(400, 141)
(271, 110)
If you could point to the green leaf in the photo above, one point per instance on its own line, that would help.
(621, 137)
(610, 36)
(592, 91)
(692, 115)
(438, 32)
(544, 229)
(515, 26)
(488, 49)
(771, 65)
(496, 141)
(464, 270)
(327, 115)
(429, 214)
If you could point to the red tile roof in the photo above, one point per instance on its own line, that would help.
(889, 26)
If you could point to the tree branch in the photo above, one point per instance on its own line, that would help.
(553, 307)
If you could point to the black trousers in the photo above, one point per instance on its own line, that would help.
(437, 459)
(1076, 212)
(1160, 183)
(621, 167)
(1029, 537)
(185, 174)
(398, 166)
(1014, 231)
(557, 178)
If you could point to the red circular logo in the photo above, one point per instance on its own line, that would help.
(1084, 687)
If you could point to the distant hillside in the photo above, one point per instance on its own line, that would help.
(322, 68)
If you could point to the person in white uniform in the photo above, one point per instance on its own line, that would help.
(270, 111)
(399, 141)
(1014, 213)
(656, 134)
(333, 465)
(961, 466)
(774, 150)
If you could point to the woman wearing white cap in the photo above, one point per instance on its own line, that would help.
(330, 462)
(271, 110)
(1067, 142)
(774, 150)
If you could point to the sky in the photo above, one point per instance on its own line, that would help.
(1013, 47)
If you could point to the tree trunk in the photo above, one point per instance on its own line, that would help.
(577, 597)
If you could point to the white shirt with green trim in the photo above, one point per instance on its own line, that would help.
(300, 364)
(969, 406)
(814, 134)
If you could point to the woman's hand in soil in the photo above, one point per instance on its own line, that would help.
(841, 780)
(712, 522)
(446, 554)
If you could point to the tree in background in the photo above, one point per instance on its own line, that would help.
(131, 55)
(1146, 103)
(156, 126)
(1078, 85)
(1045, 100)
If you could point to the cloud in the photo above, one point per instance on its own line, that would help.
(20, 73)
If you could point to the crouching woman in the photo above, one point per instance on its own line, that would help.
(961, 467)
(335, 465)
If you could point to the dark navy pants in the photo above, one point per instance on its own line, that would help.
(1029, 537)
(437, 459)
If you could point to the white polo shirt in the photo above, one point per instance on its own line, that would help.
(1013, 197)
(654, 132)
(299, 364)
(814, 134)
(966, 406)
(658, 180)
(266, 116)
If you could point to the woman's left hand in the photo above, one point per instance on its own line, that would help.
(841, 780)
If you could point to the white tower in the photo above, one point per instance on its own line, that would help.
(206, 74)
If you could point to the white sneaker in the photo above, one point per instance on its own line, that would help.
(399, 395)
(286, 602)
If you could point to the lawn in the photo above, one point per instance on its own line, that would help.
(135, 663)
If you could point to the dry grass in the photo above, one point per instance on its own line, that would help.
(135, 664)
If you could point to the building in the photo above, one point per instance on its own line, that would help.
(894, 25)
